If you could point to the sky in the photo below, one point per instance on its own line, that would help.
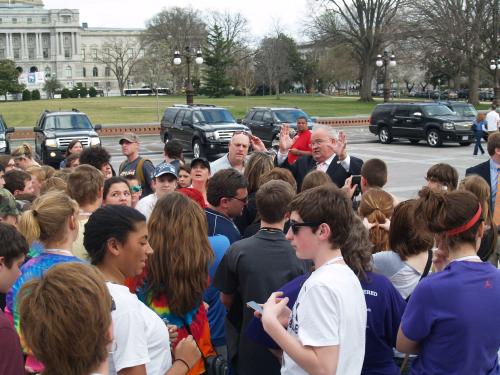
(261, 14)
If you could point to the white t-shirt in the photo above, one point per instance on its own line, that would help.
(140, 336)
(492, 121)
(330, 310)
(145, 205)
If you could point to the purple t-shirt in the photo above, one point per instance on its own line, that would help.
(385, 307)
(454, 315)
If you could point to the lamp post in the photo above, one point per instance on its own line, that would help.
(386, 61)
(495, 68)
(189, 55)
(439, 89)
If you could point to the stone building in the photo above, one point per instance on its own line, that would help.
(52, 43)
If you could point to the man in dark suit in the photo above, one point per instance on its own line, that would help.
(328, 155)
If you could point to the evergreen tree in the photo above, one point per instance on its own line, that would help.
(50, 86)
(218, 59)
(9, 78)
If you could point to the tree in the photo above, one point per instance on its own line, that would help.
(153, 68)
(218, 58)
(9, 78)
(35, 95)
(92, 92)
(83, 92)
(121, 57)
(26, 95)
(365, 25)
(65, 93)
(74, 92)
(50, 86)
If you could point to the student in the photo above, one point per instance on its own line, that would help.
(67, 321)
(74, 148)
(23, 157)
(135, 189)
(442, 176)
(116, 191)
(184, 176)
(116, 238)
(326, 328)
(12, 253)
(451, 320)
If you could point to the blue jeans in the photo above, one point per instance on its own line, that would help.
(477, 145)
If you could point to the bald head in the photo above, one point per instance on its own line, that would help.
(238, 148)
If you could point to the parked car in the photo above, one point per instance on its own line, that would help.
(203, 129)
(55, 130)
(433, 122)
(265, 122)
(5, 136)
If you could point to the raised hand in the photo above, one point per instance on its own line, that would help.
(340, 146)
(285, 140)
(257, 144)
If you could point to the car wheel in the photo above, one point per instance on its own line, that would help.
(434, 138)
(384, 135)
(414, 141)
(198, 149)
(465, 143)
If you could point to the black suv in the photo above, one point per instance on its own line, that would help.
(433, 122)
(55, 130)
(265, 122)
(462, 109)
(5, 136)
(204, 129)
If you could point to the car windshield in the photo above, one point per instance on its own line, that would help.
(213, 116)
(437, 110)
(67, 122)
(290, 115)
(465, 110)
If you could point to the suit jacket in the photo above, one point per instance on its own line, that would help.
(337, 173)
(482, 170)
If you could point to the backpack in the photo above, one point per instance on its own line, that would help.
(139, 172)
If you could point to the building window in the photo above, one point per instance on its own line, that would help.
(31, 53)
(83, 54)
(44, 20)
(130, 52)
(47, 72)
(66, 19)
(67, 53)
(69, 72)
(84, 72)
(107, 72)
(94, 54)
(17, 54)
(96, 84)
(30, 20)
(95, 72)
(14, 20)
(33, 69)
(1, 20)
(108, 85)
(45, 53)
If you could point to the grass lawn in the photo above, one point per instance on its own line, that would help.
(133, 110)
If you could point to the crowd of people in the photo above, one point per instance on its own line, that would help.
(294, 261)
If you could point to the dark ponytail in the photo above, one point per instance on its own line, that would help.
(112, 221)
(357, 249)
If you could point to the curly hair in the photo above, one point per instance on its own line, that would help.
(357, 249)
(97, 156)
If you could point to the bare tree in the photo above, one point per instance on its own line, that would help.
(120, 56)
(365, 25)
(152, 69)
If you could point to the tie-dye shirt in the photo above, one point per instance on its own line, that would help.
(196, 318)
(34, 268)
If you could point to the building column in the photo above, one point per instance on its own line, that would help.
(75, 44)
(9, 52)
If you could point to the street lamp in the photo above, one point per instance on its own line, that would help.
(495, 68)
(189, 54)
(439, 89)
(386, 61)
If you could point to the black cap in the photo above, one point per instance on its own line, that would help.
(203, 161)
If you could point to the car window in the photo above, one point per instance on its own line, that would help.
(217, 116)
(67, 122)
(198, 117)
(258, 116)
(437, 110)
(402, 112)
(188, 116)
(179, 117)
(290, 115)
(170, 115)
(465, 110)
(268, 117)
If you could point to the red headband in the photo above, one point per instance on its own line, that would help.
(467, 225)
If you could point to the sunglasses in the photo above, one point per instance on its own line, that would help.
(136, 188)
(295, 226)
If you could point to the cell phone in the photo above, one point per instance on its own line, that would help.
(356, 180)
(254, 305)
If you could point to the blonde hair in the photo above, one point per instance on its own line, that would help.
(258, 164)
(23, 151)
(377, 206)
(315, 178)
(65, 318)
(46, 220)
(52, 184)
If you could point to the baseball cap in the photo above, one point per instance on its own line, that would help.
(203, 161)
(129, 137)
(165, 168)
(7, 204)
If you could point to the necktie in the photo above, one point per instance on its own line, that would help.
(496, 210)
(322, 167)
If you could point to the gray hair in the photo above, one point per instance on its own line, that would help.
(330, 130)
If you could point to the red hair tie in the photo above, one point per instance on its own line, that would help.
(467, 225)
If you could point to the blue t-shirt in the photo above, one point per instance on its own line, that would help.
(216, 311)
(385, 308)
(221, 224)
(454, 315)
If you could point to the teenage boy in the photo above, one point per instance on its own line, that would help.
(12, 253)
(255, 267)
(85, 185)
(19, 183)
(164, 182)
(325, 331)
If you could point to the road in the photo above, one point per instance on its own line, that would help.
(407, 163)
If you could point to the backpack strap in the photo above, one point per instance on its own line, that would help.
(139, 173)
(427, 268)
(122, 165)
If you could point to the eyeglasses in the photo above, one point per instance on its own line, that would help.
(136, 188)
(242, 200)
(295, 226)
